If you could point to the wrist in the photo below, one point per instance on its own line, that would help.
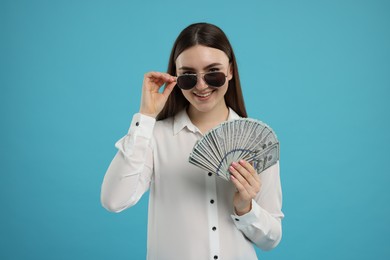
(145, 113)
(243, 210)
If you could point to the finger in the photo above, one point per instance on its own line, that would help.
(158, 78)
(151, 81)
(168, 89)
(251, 187)
(249, 167)
(255, 182)
(240, 187)
(152, 75)
(244, 172)
(248, 177)
(166, 77)
(236, 174)
(163, 77)
(156, 74)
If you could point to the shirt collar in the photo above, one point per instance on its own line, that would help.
(182, 120)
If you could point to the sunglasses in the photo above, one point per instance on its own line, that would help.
(213, 79)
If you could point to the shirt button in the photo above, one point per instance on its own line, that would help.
(210, 174)
(214, 228)
(236, 219)
(137, 124)
(211, 201)
(215, 257)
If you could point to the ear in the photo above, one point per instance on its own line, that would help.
(230, 72)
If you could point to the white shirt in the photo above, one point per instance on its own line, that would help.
(191, 214)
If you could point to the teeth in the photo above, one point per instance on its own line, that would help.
(203, 95)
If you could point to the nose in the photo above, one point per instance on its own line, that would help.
(200, 83)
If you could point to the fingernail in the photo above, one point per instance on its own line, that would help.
(234, 164)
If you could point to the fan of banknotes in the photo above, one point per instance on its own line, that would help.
(233, 140)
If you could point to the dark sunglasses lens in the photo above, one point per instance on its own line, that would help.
(186, 81)
(215, 79)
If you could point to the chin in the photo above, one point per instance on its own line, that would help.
(205, 107)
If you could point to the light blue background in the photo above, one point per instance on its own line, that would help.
(318, 72)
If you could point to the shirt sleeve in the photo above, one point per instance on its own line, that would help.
(262, 225)
(129, 174)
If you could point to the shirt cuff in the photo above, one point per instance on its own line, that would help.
(142, 125)
(249, 218)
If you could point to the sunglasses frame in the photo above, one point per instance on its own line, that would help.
(203, 75)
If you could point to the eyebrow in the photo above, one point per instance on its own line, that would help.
(205, 68)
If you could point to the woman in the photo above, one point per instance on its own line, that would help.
(193, 214)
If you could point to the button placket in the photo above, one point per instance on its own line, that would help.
(212, 209)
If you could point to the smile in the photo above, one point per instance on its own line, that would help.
(203, 95)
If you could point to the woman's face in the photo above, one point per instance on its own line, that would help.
(201, 59)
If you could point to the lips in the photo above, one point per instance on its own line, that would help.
(203, 95)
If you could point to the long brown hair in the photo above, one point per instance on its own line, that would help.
(210, 36)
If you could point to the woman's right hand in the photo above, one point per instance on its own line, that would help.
(152, 101)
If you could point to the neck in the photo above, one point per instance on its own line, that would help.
(205, 121)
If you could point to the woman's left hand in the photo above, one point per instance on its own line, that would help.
(248, 184)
